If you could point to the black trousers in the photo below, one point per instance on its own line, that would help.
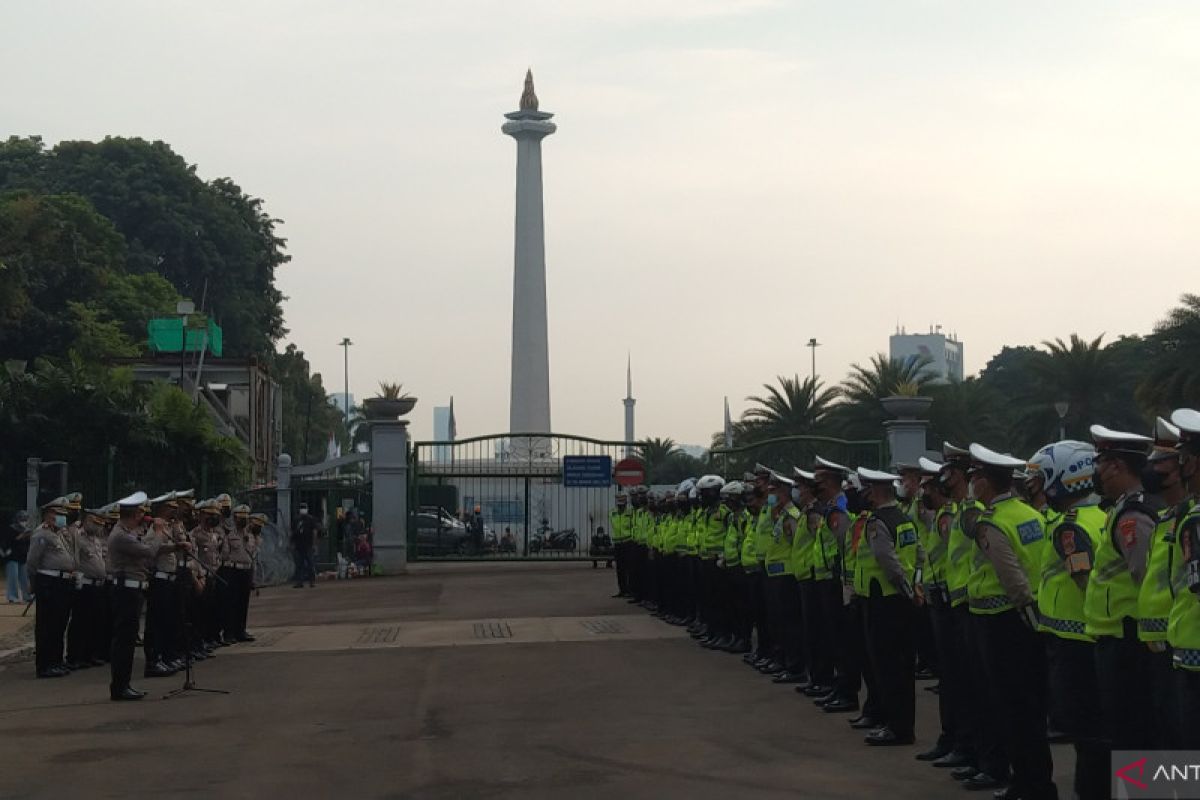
(1014, 664)
(756, 593)
(1187, 699)
(783, 607)
(1162, 696)
(1123, 671)
(980, 710)
(235, 600)
(890, 649)
(87, 613)
(716, 615)
(821, 604)
(53, 610)
(927, 654)
(948, 643)
(623, 555)
(1071, 681)
(209, 612)
(161, 641)
(855, 667)
(126, 610)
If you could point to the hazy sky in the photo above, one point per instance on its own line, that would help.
(728, 178)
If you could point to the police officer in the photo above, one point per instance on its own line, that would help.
(88, 610)
(885, 572)
(1123, 663)
(160, 643)
(857, 666)
(207, 539)
(826, 617)
(51, 565)
(1183, 629)
(734, 594)
(1063, 472)
(1001, 594)
(783, 597)
(130, 559)
(711, 524)
(816, 665)
(620, 524)
(909, 494)
(236, 570)
(759, 535)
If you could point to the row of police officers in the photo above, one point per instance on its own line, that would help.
(1062, 592)
(189, 564)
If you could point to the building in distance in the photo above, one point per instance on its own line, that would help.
(944, 352)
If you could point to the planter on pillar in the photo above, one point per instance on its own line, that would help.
(906, 433)
(389, 484)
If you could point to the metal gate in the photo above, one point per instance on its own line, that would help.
(786, 452)
(512, 496)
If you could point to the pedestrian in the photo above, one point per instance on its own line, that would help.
(14, 548)
(304, 542)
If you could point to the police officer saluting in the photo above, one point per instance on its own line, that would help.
(51, 565)
(88, 610)
(129, 562)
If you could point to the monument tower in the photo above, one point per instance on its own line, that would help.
(629, 402)
(529, 399)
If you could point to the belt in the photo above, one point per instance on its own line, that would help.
(1063, 625)
(164, 576)
(90, 582)
(56, 573)
(1152, 625)
(1186, 658)
(235, 566)
(958, 594)
(994, 603)
(128, 584)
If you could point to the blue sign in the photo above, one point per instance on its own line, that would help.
(587, 471)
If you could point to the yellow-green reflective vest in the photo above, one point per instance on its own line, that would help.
(1021, 525)
(713, 525)
(1112, 593)
(937, 552)
(803, 544)
(779, 551)
(826, 547)
(1156, 595)
(868, 573)
(960, 553)
(643, 523)
(764, 529)
(731, 545)
(855, 538)
(620, 525)
(679, 531)
(661, 531)
(1183, 629)
(750, 560)
(1074, 538)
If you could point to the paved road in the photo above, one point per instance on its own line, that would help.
(521, 681)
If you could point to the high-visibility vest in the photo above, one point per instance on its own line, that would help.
(764, 528)
(749, 556)
(1021, 525)
(1070, 549)
(779, 551)
(712, 527)
(855, 538)
(620, 525)
(868, 571)
(801, 561)
(937, 551)
(1183, 629)
(960, 555)
(1156, 595)
(731, 545)
(1112, 593)
(827, 562)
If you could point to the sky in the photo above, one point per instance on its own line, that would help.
(729, 179)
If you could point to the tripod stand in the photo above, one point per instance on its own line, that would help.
(189, 631)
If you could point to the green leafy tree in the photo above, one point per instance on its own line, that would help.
(794, 407)
(309, 415)
(1172, 379)
(860, 414)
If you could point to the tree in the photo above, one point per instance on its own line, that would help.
(860, 415)
(309, 414)
(793, 408)
(1172, 379)
(967, 411)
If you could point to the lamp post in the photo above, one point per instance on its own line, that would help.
(184, 308)
(345, 344)
(813, 344)
(1061, 407)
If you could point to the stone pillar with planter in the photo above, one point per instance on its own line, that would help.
(906, 433)
(389, 480)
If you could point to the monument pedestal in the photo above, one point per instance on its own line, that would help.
(389, 494)
(906, 439)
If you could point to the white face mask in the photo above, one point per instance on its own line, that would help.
(60, 520)
(796, 496)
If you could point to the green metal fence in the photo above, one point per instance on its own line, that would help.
(537, 496)
(786, 452)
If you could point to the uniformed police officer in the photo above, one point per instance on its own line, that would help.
(1001, 594)
(207, 538)
(161, 641)
(130, 560)
(1183, 630)
(827, 617)
(783, 598)
(237, 571)
(1123, 663)
(885, 576)
(620, 525)
(51, 565)
(88, 608)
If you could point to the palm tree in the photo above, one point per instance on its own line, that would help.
(967, 411)
(1173, 380)
(794, 408)
(860, 415)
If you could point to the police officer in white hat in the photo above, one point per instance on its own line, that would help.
(51, 564)
(1183, 633)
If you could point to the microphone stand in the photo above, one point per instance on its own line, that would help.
(189, 685)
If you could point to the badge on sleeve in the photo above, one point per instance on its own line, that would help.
(1030, 531)
(1127, 530)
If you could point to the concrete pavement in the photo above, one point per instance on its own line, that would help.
(490, 680)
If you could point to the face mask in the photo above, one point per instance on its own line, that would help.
(759, 491)
(902, 492)
(796, 496)
(772, 500)
(1154, 481)
(60, 520)
(1098, 482)
(928, 502)
(971, 490)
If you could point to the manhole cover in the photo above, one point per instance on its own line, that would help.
(267, 638)
(492, 630)
(603, 626)
(379, 634)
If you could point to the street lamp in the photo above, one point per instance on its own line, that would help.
(184, 308)
(1061, 407)
(345, 345)
(813, 344)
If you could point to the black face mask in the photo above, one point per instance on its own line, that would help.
(1154, 481)
(855, 502)
(928, 502)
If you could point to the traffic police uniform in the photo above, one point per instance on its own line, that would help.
(803, 571)
(783, 609)
(1183, 627)
(827, 642)
(51, 565)
(1123, 663)
(86, 645)
(620, 526)
(162, 641)
(1002, 597)
(236, 570)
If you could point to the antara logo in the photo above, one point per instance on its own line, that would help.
(1140, 767)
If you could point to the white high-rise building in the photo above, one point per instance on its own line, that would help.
(945, 353)
(529, 399)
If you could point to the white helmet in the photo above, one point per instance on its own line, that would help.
(733, 489)
(710, 482)
(1064, 467)
(685, 488)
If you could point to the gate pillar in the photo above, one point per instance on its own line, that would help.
(389, 493)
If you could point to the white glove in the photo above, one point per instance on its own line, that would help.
(1029, 616)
